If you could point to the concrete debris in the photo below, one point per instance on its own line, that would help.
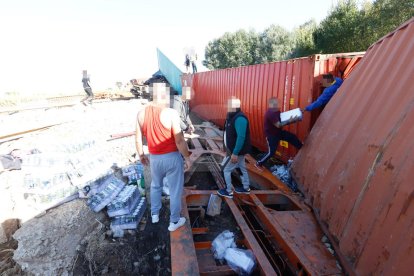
(47, 245)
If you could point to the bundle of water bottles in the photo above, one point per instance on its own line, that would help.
(125, 205)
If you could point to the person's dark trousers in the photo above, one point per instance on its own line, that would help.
(194, 68)
(273, 142)
(89, 94)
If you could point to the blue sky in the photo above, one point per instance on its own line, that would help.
(46, 44)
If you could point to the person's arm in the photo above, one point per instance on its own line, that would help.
(179, 107)
(179, 138)
(323, 98)
(278, 124)
(241, 127)
(138, 141)
(189, 123)
(276, 120)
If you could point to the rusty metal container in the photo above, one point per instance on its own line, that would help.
(295, 82)
(357, 165)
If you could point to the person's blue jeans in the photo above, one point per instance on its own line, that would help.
(171, 166)
(273, 142)
(229, 167)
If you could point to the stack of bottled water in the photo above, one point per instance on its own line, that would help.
(133, 172)
(55, 161)
(131, 220)
(111, 187)
(88, 166)
(124, 202)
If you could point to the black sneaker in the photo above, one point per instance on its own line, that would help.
(241, 190)
(223, 192)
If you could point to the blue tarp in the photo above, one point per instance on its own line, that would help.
(170, 71)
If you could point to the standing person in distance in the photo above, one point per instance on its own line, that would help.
(187, 63)
(87, 87)
(193, 63)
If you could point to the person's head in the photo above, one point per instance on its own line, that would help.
(161, 94)
(84, 73)
(273, 103)
(186, 93)
(233, 104)
(327, 80)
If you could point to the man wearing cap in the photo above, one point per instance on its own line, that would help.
(237, 143)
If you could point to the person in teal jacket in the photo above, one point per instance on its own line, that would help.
(237, 143)
(332, 84)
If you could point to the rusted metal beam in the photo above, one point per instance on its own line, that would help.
(299, 237)
(29, 130)
(265, 266)
(264, 177)
(183, 254)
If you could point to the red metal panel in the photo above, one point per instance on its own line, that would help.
(357, 166)
(294, 82)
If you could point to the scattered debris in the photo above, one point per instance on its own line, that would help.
(283, 173)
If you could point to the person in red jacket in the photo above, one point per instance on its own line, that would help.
(166, 145)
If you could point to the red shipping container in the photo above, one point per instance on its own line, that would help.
(357, 166)
(295, 82)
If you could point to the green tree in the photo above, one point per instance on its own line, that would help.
(303, 40)
(382, 17)
(232, 50)
(275, 44)
(336, 33)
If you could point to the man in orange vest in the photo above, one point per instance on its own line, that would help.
(166, 145)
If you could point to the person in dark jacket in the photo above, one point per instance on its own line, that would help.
(237, 143)
(187, 63)
(87, 87)
(274, 132)
(332, 84)
(181, 105)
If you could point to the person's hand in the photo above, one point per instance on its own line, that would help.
(191, 129)
(144, 160)
(234, 159)
(187, 163)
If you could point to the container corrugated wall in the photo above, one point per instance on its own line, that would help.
(296, 83)
(357, 166)
(170, 71)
